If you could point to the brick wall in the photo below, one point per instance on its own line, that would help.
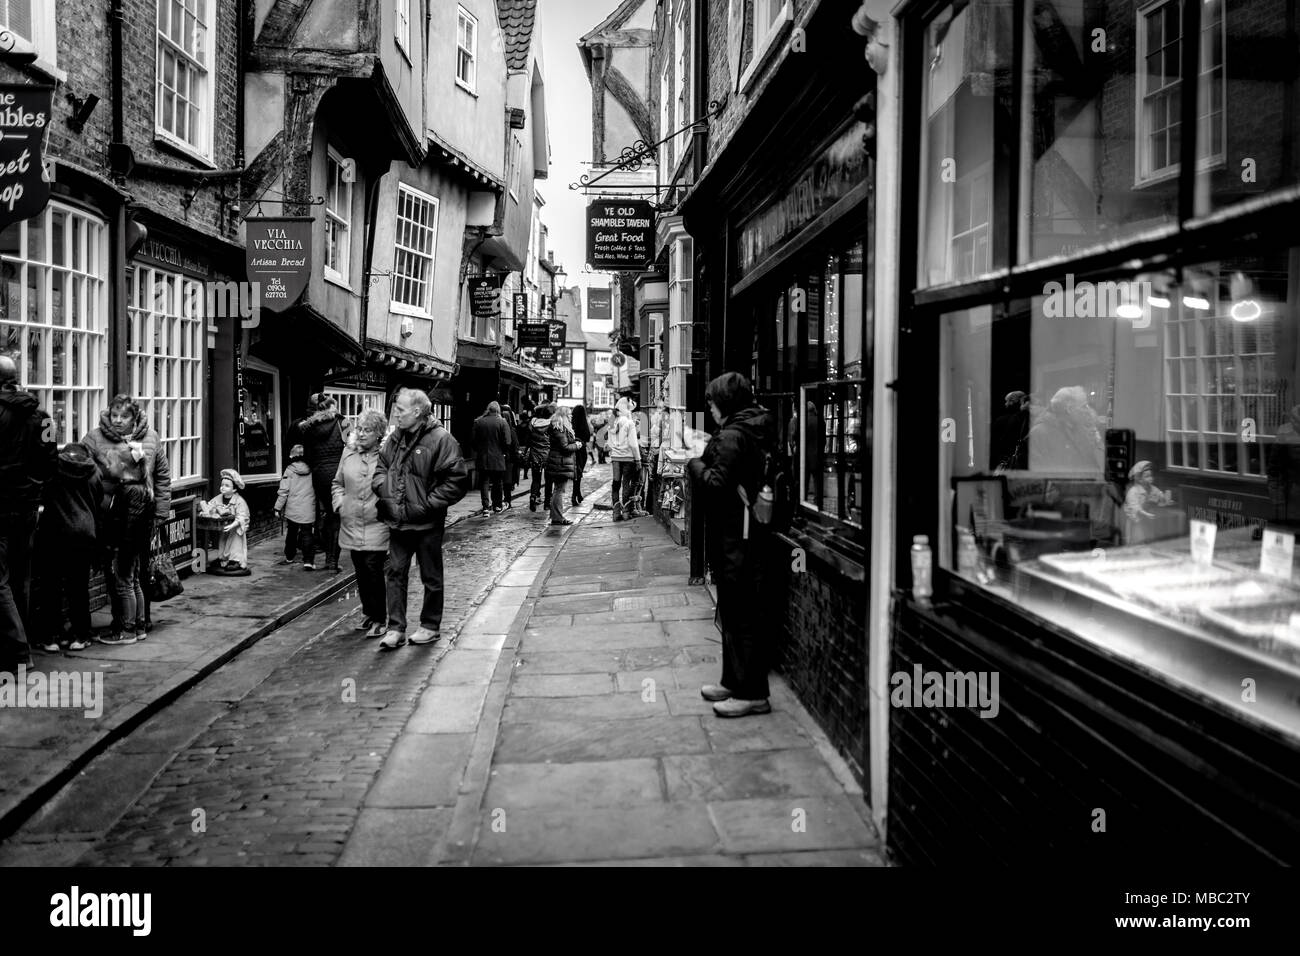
(822, 649)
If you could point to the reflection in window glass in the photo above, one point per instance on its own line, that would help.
(835, 449)
(968, 59)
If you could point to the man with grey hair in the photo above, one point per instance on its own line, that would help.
(419, 476)
(28, 458)
(491, 442)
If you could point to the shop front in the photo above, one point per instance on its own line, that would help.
(1098, 433)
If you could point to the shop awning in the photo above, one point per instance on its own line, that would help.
(381, 354)
(522, 372)
(477, 355)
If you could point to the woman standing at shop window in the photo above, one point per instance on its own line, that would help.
(730, 474)
(137, 492)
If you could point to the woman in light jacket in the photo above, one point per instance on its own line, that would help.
(361, 532)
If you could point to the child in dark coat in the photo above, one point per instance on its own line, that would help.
(66, 543)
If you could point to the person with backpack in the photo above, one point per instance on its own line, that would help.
(538, 430)
(66, 542)
(321, 436)
(731, 476)
(296, 504)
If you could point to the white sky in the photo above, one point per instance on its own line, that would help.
(568, 110)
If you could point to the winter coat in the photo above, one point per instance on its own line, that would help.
(419, 476)
(538, 431)
(491, 442)
(72, 498)
(27, 459)
(624, 442)
(560, 464)
(322, 440)
(354, 499)
(135, 459)
(733, 459)
(297, 498)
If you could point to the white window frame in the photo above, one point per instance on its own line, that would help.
(1143, 173)
(201, 147)
(402, 27)
(466, 19)
(353, 401)
(85, 316)
(665, 119)
(683, 61)
(44, 35)
(402, 246)
(516, 164)
(278, 465)
(167, 342)
(780, 13)
(339, 216)
(680, 318)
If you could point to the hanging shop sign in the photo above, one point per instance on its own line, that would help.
(279, 258)
(485, 295)
(558, 331)
(839, 168)
(600, 305)
(520, 301)
(602, 364)
(533, 335)
(24, 121)
(620, 234)
(546, 355)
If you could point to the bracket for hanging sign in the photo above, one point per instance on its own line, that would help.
(256, 203)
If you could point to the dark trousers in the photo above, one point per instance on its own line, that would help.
(426, 548)
(492, 481)
(579, 465)
(539, 476)
(16, 534)
(296, 535)
(370, 583)
(62, 572)
(327, 525)
(626, 478)
(127, 573)
(744, 649)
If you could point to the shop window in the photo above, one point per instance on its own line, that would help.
(834, 450)
(681, 315)
(516, 164)
(165, 350)
(466, 49)
(54, 314)
(417, 230)
(184, 83)
(338, 217)
(258, 442)
(1146, 458)
(352, 402)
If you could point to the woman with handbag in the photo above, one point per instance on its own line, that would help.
(560, 463)
(137, 484)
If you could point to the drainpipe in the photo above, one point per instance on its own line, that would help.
(372, 212)
(120, 366)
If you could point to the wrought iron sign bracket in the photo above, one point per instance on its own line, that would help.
(633, 157)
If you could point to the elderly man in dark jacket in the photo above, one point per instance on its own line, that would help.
(27, 460)
(322, 440)
(491, 445)
(730, 473)
(419, 476)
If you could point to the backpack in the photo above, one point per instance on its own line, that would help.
(773, 505)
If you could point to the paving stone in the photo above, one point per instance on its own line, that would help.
(384, 837)
(539, 836)
(614, 618)
(599, 637)
(778, 773)
(682, 633)
(448, 709)
(687, 613)
(573, 740)
(790, 824)
(465, 667)
(560, 685)
(605, 783)
(817, 858)
(774, 731)
(423, 770)
(634, 682)
(568, 662)
(481, 642)
(520, 710)
(682, 861)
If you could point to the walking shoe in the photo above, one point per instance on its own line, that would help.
(392, 641)
(425, 635)
(532, 504)
(285, 561)
(52, 647)
(79, 645)
(365, 624)
(308, 567)
(378, 629)
(715, 692)
(118, 639)
(484, 513)
(562, 521)
(741, 708)
(498, 509)
(332, 565)
(618, 515)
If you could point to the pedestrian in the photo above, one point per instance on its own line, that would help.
(230, 506)
(560, 462)
(322, 438)
(600, 440)
(538, 431)
(137, 484)
(512, 455)
(491, 444)
(360, 530)
(27, 462)
(66, 543)
(296, 504)
(730, 473)
(419, 476)
(582, 430)
(625, 454)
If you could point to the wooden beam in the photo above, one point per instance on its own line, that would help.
(282, 22)
(288, 60)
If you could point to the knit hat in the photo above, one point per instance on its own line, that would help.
(297, 451)
(1135, 472)
(234, 477)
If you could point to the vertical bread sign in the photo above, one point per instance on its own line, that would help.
(24, 121)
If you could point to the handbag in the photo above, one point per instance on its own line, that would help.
(164, 582)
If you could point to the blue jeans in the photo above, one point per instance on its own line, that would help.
(426, 548)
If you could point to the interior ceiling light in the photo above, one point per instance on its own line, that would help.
(1159, 301)
(1245, 307)
(1246, 310)
(1129, 310)
(1196, 302)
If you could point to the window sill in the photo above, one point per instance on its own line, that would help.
(466, 87)
(831, 550)
(763, 49)
(336, 278)
(401, 308)
(168, 143)
(46, 69)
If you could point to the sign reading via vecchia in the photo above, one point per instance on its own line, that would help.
(24, 120)
(279, 258)
(620, 234)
